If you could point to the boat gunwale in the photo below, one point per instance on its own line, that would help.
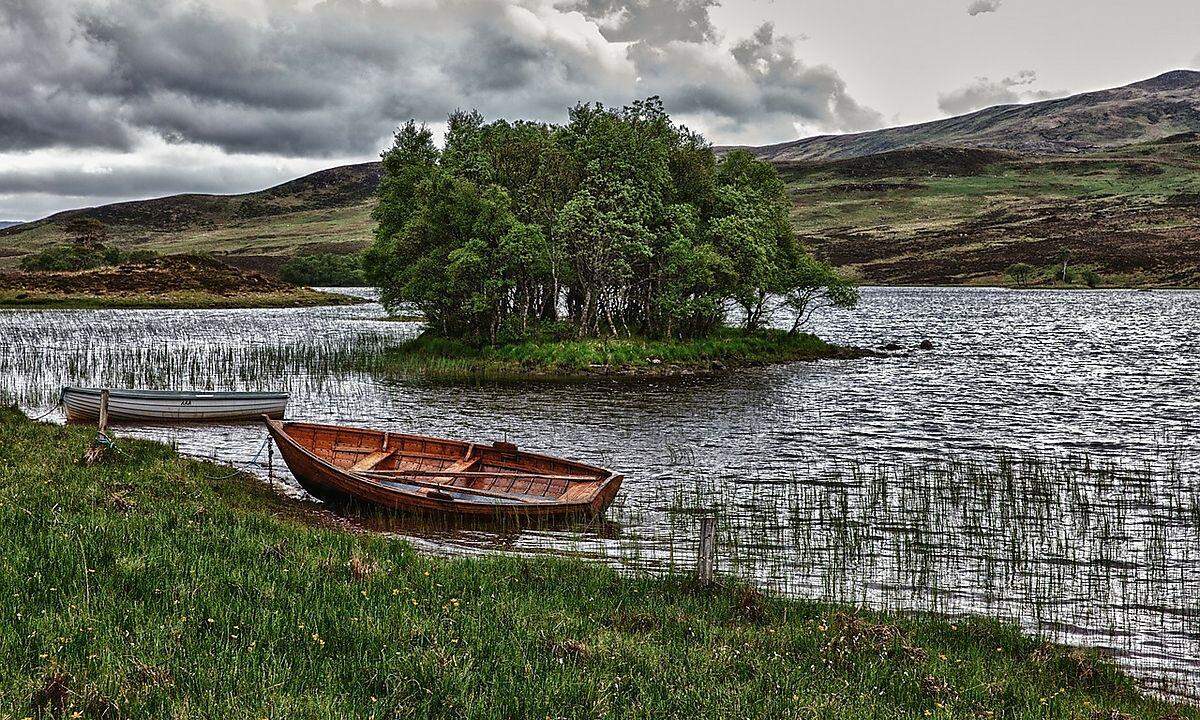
(170, 394)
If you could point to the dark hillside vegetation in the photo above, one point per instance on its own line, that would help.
(956, 216)
(324, 212)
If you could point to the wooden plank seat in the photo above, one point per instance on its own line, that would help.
(370, 461)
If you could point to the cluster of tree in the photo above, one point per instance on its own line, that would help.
(619, 222)
(86, 250)
(1024, 274)
(324, 270)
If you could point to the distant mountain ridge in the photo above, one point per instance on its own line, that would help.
(8, 223)
(1149, 110)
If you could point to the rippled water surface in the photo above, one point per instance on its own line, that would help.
(1039, 464)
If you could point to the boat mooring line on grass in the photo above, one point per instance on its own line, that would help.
(236, 469)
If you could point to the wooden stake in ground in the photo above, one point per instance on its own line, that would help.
(707, 554)
(95, 453)
(103, 426)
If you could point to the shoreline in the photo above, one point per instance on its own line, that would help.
(723, 353)
(250, 604)
(182, 300)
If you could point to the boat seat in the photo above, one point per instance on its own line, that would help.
(461, 465)
(370, 461)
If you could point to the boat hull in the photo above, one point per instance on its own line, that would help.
(326, 480)
(83, 404)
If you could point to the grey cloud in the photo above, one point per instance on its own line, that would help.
(979, 7)
(765, 85)
(653, 21)
(984, 92)
(139, 181)
(334, 79)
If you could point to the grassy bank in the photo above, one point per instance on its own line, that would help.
(727, 349)
(185, 300)
(153, 586)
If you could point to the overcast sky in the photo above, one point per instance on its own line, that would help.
(119, 99)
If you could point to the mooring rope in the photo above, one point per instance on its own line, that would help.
(237, 469)
(48, 412)
(57, 406)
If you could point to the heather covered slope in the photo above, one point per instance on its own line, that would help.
(1144, 111)
(327, 211)
(961, 216)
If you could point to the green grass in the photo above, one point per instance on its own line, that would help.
(153, 586)
(430, 354)
(182, 300)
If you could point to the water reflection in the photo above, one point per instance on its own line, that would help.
(1039, 464)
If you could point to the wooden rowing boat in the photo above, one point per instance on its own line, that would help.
(413, 473)
(83, 404)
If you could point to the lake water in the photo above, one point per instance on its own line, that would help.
(1039, 464)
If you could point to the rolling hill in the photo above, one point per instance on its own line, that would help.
(931, 216)
(1112, 178)
(1149, 110)
(327, 211)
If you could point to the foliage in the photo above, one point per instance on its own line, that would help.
(1023, 274)
(152, 586)
(82, 256)
(324, 270)
(561, 354)
(1020, 273)
(619, 222)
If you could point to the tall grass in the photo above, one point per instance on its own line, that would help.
(152, 586)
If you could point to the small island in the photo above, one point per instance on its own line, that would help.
(618, 242)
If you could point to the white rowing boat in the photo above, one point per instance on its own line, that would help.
(82, 404)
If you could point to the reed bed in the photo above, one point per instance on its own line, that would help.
(1074, 549)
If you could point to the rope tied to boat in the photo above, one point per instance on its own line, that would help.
(237, 469)
(57, 406)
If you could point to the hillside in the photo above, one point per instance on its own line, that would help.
(961, 216)
(327, 211)
(1149, 110)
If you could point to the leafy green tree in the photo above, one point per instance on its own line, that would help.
(1020, 273)
(324, 270)
(1064, 256)
(812, 285)
(620, 219)
(407, 164)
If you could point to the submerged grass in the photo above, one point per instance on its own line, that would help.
(432, 355)
(154, 586)
(181, 300)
